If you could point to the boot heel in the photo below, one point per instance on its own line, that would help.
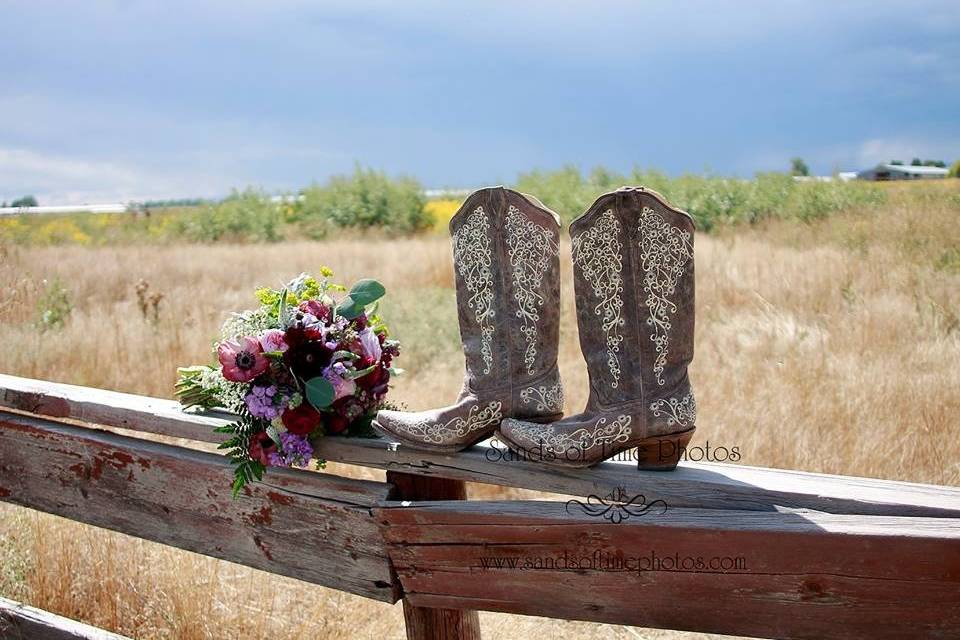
(662, 453)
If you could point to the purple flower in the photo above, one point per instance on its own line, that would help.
(294, 451)
(260, 402)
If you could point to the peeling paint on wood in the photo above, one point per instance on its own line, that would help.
(314, 527)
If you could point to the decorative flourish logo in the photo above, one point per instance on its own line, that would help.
(616, 506)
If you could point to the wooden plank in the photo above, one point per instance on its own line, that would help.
(314, 527)
(20, 622)
(108, 408)
(764, 574)
(694, 485)
(425, 623)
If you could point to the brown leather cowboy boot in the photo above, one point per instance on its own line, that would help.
(633, 277)
(507, 269)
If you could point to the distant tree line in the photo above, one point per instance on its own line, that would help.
(25, 201)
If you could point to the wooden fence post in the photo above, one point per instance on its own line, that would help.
(425, 623)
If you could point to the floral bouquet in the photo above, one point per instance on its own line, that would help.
(300, 366)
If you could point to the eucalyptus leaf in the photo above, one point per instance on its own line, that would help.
(343, 355)
(367, 291)
(349, 309)
(363, 293)
(320, 392)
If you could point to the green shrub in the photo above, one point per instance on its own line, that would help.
(247, 215)
(366, 199)
(53, 306)
(710, 200)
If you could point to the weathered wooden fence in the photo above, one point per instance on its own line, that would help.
(730, 549)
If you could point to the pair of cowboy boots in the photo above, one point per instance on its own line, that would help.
(634, 284)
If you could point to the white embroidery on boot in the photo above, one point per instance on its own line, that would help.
(582, 439)
(597, 253)
(531, 249)
(471, 255)
(679, 411)
(665, 251)
(546, 398)
(433, 432)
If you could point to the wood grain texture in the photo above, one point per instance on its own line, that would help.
(427, 623)
(20, 622)
(788, 575)
(695, 485)
(314, 527)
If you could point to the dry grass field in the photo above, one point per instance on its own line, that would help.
(832, 346)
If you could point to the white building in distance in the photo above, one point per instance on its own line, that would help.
(902, 172)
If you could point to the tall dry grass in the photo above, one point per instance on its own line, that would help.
(831, 347)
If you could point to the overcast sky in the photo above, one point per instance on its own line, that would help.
(111, 101)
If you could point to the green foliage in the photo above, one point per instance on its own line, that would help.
(53, 306)
(362, 294)
(190, 390)
(247, 215)
(320, 392)
(25, 201)
(363, 200)
(237, 446)
(712, 201)
(955, 169)
(798, 167)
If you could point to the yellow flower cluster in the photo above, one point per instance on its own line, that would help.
(441, 211)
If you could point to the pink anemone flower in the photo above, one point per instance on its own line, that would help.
(242, 360)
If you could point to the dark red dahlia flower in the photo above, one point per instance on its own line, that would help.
(299, 335)
(308, 359)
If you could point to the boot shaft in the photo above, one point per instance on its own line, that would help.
(634, 283)
(507, 272)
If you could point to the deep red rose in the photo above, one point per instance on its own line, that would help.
(360, 322)
(302, 420)
(261, 446)
(335, 423)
